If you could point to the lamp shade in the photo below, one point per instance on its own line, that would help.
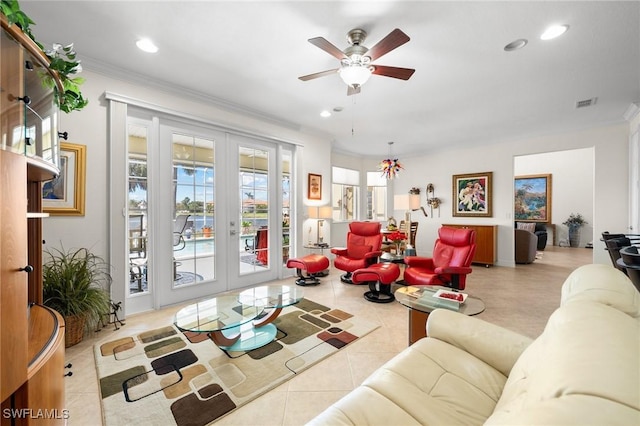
(320, 212)
(325, 212)
(414, 201)
(355, 75)
(401, 202)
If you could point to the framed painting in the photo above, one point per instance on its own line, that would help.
(315, 187)
(532, 198)
(64, 195)
(473, 195)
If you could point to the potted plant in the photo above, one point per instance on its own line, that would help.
(74, 284)
(206, 231)
(574, 223)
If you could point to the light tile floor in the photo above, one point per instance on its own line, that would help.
(520, 299)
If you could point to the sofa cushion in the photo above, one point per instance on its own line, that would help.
(431, 382)
(571, 373)
(586, 284)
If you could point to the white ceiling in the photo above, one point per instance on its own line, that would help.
(466, 88)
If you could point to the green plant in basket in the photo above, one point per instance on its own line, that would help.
(75, 283)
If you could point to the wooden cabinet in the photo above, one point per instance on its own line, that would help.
(13, 281)
(31, 335)
(486, 243)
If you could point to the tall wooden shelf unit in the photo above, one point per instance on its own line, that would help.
(31, 335)
(486, 243)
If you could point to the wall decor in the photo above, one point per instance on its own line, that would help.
(472, 194)
(64, 195)
(314, 187)
(532, 198)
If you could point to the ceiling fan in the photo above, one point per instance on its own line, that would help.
(356, 60)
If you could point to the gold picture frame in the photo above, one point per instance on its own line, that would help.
(314, 187)
(532, 198)
(64, 195)
(472, 195)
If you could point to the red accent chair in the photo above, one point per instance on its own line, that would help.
(451, 261)
(363, 249)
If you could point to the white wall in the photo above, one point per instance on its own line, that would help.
(571, 187)
(610, 181)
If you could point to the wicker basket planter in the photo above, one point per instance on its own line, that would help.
(74, 329)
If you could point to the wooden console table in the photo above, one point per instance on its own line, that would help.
(486, 243)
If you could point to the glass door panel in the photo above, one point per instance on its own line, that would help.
(193, 241)
(254, 210)
(137, 202)
(286, 204)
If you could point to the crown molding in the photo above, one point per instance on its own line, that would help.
(108, 70)
(632, 111)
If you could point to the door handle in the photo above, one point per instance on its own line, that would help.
(232, 232)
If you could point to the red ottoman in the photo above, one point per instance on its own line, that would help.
(313, 264)
(380, 276)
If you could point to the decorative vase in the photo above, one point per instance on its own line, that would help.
(574, 237)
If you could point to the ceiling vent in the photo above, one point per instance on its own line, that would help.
(586, 103)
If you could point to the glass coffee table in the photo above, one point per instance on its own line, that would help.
(421, 302)
(239, 321)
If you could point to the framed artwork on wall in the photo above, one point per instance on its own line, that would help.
(532, 198)
(315, 187)
(64, 195)
(473, 195)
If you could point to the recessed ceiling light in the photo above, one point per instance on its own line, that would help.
(554, 31)
(325, 114)
(515, 45)
(146, 45)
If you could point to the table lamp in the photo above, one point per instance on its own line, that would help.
(320, 213)
(402, 202)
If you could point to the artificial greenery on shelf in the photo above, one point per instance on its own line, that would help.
(62, 60)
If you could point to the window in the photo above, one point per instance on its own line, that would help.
(345, 194)
(376, 197)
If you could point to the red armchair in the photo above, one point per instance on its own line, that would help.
(451, 261)
(363, 248)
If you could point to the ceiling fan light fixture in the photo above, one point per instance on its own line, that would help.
(355, 75)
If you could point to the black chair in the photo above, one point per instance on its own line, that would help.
(541, 233)
(630, 261)
(615, 242)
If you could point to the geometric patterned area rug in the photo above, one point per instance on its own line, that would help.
(164, 376)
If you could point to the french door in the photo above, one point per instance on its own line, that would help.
(207, 211)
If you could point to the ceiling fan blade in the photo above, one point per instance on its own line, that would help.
(353, 90)
(318, 74)
(328, 47)
(394, 39)
(394, 72)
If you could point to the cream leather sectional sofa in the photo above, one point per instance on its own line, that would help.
(584, 369)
